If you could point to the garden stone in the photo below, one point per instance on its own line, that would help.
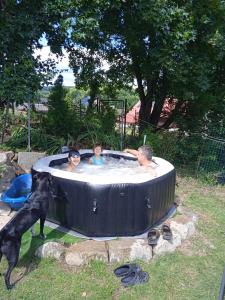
(50, 249)
(74, 259)
(13, 213)
(183, 225)
(10, 155)
(164, 246)
(82, 253)
(140, 250)
(8, 175)
(5, 209)
(119, 250)
(27, 159)
(3, 158)
(4, 220)
(129, 250)
(183, 210)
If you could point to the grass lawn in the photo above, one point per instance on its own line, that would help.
(193, 272)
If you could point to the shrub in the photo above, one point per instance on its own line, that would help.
(39, 140)
(177, 147)
(100, 127)
(61, 119)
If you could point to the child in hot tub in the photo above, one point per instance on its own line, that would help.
(73, 160)
(97, 159)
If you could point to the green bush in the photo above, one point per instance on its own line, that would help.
(39, 140)
(179, 148)
(61, 119)
(100, 127)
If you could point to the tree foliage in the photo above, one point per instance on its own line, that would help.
(172, 49)
(22, 23)
(61, 119)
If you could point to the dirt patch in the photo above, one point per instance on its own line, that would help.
(68, 269)
(187, 247)
(116, 294)
(208, 220)
(191, 247)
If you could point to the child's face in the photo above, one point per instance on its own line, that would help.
(74, 160)
(97, 150)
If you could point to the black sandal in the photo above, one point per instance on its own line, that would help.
(166, 232)
(125, 270)
(135, 277)
(153, 236)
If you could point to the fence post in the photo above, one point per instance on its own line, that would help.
(28, 123)
(222, 286)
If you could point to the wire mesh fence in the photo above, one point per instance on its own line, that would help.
(200, 154)
(212, 157)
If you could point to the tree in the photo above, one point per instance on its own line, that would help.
(87, 68)
(173, 49)
(61, 119)
(22, 24)
(73, 98)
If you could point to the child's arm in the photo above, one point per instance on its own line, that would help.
(90, 161)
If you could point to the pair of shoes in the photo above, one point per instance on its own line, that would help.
(132, 274)
(153, 235)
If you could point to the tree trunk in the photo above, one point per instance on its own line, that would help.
(93, 94)
(5, 119)
(144, 114)
(13, 107)
(157, 110)
(160, 94)
(146, 100)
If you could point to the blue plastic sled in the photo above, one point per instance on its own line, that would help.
(18, 192)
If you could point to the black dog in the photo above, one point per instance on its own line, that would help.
(35, 208)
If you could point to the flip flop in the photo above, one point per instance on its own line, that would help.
(166, 232)
(135, 277)
(153, 236)
(125, 270)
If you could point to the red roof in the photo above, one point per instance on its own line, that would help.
(133, 115)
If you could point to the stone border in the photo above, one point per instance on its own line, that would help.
(122, 249)
(118, 250)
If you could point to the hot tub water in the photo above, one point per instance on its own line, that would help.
(112, 168)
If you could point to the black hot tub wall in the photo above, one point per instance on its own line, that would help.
(111, 209)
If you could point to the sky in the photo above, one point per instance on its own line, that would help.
(45, 53)
(62, 64)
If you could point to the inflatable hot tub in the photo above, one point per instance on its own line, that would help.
(112, 205)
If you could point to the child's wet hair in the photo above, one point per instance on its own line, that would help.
(97, 145)
(74, 153)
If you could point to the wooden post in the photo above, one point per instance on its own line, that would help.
(28, 123)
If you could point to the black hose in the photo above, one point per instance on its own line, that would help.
(222, 286)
